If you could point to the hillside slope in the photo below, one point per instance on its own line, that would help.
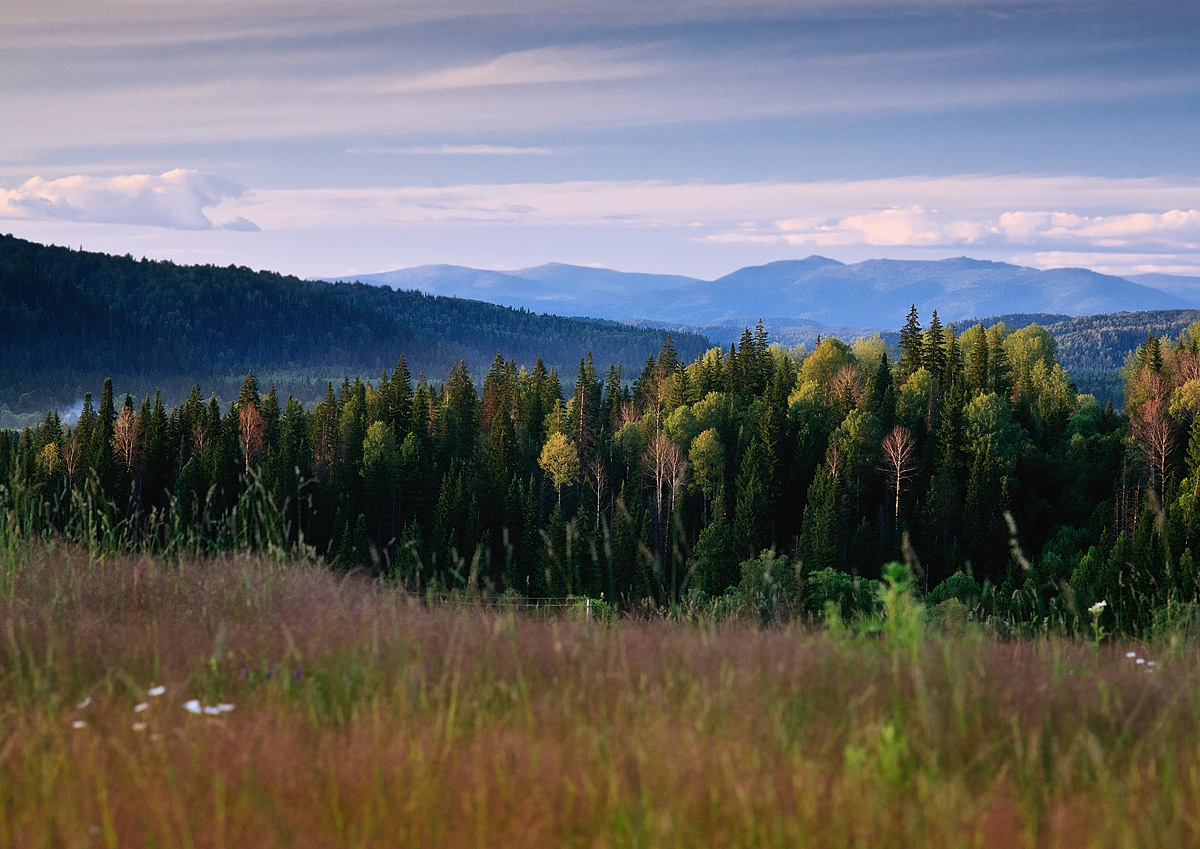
(69, 318)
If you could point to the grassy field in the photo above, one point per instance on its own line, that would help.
(341, 712)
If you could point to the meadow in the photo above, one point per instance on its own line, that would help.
(245, 702)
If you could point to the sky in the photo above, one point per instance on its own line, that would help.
(690, 137)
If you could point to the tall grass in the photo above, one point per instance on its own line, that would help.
(363, 718)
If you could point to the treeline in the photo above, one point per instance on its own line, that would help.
(1095, 348)
(69, 318)
(753, 475)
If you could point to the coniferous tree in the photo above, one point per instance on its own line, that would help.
(881, 394)
(912, 347)
(933, 353)
(753, 507)
(979, 359)
(157, 472)
(100, 448)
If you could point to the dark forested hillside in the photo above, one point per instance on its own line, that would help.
(70, 318)
(755, 478)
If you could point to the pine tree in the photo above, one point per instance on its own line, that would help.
(820, 536)
(156, 471)
(753, 508)
(953, 367)
(933, 353)
(978, 366)
(912, 348)
(881, 394)
(269, 407)
(249, 392)
(668, 359)
(100, 448)
(399, 413)
(494, 392)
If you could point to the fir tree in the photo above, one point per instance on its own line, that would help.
(933, 354)
(912, 348)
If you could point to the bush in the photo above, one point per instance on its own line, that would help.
(593, 609)
(852, 597)
(769, 585)
(960, 586)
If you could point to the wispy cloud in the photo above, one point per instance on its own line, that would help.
(1174, 229)
(453, 150)
(176, 200)
(1119, 263)
(988, 216)
(530, 67)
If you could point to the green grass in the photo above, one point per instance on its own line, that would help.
(363, 718)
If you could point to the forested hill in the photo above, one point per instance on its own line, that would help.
(69, 318)
(1096, 342)
(1093, 348)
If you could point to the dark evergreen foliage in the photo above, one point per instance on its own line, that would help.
(69, 318)
(716, 470)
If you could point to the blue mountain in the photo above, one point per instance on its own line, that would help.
(815, 290)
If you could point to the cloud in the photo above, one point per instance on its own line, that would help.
(174, 200)
(539, 66)
(1175, 228)
(1118, 263)
(911, 227)
(914, 211)
(454, 150)
(241, 225)
(917, 227)
(110, 73)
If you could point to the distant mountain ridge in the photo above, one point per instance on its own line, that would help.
(797, 293)
(69, 318)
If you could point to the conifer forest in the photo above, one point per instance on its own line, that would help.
(757, 480)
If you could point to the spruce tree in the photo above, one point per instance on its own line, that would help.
(933, 351)
(912, 348)
(979, 360)
(881, 394)
(753, 509)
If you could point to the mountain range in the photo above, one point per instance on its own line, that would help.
(811, 293)
(69, 319)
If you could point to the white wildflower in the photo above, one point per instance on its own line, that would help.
(1098, 608)
(1131, 654)
(79, 723)
(139, 726)
(225, 707)
(84, 703)
(1140, 661)
(212, 711)
(157, 691)
(140, 707)
(192, 706)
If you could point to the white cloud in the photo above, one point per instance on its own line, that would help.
(919, 211)
(1175, 228)
(913, 227)
(175, 200)
(539, 66)
(681, 227)
(453, 150)
(1119, 263)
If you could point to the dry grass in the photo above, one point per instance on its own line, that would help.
(363, 719)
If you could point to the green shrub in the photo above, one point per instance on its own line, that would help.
(960, 586)
(852, 597)
(769, 585)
